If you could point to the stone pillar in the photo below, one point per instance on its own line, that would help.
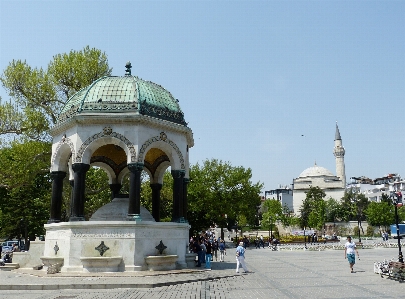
(156, 200)
(178, 176)
(79, 175)
(115, 190)
(134, 208)
(56, 200)
(185, 204)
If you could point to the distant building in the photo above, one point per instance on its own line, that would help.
(283, 195)
(376, 188)
(317, 176)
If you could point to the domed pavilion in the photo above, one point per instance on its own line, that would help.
(124, 125)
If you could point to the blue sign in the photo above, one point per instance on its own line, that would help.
(394, 230)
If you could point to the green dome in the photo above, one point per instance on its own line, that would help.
(128, 94)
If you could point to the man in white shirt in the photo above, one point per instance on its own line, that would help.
(350, 249)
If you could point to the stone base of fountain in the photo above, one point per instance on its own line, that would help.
(101, 263)
(161, 262)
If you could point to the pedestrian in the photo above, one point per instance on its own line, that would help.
(350, 250)
(215, 246)
(198, 250)
(240, 258)
(208, 254)
(204, 250)
(222, 251)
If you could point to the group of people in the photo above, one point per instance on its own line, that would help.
(207, 249)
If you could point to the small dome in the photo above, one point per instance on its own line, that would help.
(127, 94)
(315, 171)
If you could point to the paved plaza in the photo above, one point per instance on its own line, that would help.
(275, 274)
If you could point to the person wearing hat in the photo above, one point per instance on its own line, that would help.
(240, 258)
(350, 250)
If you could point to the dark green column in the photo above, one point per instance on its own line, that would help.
(115, 190)
(134, 208)
(185, 204)
(156, 200)
(178, 176)
(79, 175)
(56, 200)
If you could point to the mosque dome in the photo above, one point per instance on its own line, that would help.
(315, 171)
(127, 94)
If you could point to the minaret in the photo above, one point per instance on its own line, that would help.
(339, 152)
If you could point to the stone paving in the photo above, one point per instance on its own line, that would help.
(275, 274)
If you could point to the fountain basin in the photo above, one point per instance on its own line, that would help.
(101, 263)
(52, 260)
(161, 262)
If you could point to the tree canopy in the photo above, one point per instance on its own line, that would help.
(221, 194)
(37, 95)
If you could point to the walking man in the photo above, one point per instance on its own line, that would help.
(240, 258)
(350, 249)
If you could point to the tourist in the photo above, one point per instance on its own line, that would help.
(208, 254)
(215, 246)
(240, 258)
(222, 251)
(198, 250)
(350, 249)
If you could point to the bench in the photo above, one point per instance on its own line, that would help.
(397, 270)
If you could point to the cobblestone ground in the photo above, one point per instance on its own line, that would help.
(282, 274)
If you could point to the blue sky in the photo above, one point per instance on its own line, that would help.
(252, 77)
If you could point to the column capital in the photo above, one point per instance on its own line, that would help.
(178, 173)
(80, 167)
(156, 186)
(58, 175)
(134, 167)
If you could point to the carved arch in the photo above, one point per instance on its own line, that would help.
(107, 132)
(161, 137)
(57, 154)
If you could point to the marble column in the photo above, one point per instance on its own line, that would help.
(156, 200)
(56, 200)
(134, 208)
(178, 176)
(79, 175)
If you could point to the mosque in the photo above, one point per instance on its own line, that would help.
(317, 176)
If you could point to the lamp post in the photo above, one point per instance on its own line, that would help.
(355, 201)
(396, 198)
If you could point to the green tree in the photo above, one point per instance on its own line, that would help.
(273, 213)
(332, 210)
(312, 211)
(37, 95)
(380, 214)
(221, 194)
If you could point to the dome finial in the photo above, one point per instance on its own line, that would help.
(128, 67)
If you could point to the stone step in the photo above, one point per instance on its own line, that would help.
(9, 267)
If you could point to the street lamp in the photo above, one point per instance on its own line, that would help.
(356, 201)
(396, 198)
